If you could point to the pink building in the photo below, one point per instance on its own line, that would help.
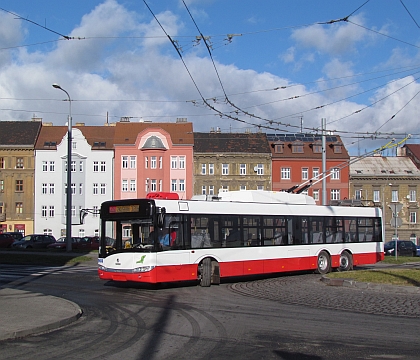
(151, 157)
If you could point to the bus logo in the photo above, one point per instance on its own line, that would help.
(141, 260)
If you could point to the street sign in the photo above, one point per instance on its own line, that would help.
(396, 222)
(396, 207)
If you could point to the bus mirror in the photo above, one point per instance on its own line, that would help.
(161, 217)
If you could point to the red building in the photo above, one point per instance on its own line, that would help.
(151, 157)
(297, 159)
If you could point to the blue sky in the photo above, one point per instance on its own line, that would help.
(270, 65)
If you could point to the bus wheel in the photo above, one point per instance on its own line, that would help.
(346, 262)
(324, 263)
(205, 270)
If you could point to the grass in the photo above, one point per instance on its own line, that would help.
(405, 277)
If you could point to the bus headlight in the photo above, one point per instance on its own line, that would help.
(143, 269)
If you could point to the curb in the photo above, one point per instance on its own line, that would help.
(372, 286)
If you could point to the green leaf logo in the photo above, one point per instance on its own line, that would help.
(141, 260)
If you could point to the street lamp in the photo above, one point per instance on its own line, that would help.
(68, 202)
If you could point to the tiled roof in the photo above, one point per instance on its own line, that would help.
(99, 137)
(19, 133)
(414, 149)
(231, 142)
(181, 133)
(386, 166)
(302, 137)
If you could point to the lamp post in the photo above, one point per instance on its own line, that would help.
(68, 202)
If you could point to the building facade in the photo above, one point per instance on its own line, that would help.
(92, 162)
(393, 184)
(17, 164)
(231, 161)
(297, 161)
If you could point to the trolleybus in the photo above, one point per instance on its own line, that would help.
(233, 234)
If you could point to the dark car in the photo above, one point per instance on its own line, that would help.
(89, 243)
(61, 243)
(6, 240)
(15, 234)
(418, 250)
(404, 248)
(34, 241)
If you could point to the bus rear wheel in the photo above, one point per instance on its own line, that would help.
(346, 262)
(324, 263)
(205, 273)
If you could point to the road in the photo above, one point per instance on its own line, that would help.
(286, 317)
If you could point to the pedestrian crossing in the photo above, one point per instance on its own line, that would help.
(13, 272)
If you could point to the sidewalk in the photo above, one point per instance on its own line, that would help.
(24, 313)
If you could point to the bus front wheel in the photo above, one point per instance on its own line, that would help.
(205, 273)
(346, 262)
(324, 263)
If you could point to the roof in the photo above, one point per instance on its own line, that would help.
(126, 132)
(384, 166)
(414, 149)
(307, 141)
(231, 143)
(19, 133)
(99, 137)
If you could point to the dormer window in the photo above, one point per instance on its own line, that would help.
(297, 148)
(337, 149)
(278, 148)
(317, 148)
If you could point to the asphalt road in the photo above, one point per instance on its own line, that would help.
(286, 317)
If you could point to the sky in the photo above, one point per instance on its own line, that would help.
(276, 66)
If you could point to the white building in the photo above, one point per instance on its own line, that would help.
(92, 164)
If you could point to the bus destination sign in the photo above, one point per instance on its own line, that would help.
(124, 209)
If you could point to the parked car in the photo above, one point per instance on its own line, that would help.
(34, 241)
(418, 250)
(15, 234)
(404, 248)
(89, 243)
(61, 243)
(6, 240)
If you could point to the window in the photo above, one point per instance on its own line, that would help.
(225, 188)
(160, 162)
(305, 173)
(81, 232)
(335, 174)
(81, 166)
(394, 194)
(73, 166)
(242, 187)
(52, 189)
(95, 211)
(133, 162)
(95, 166)
(153, 185)
(44, 211)
(260, 169)
(315, 195)
(358, 194)
(133, 185)
(315, 173)
(211, 169)
(73, 188)
(173, 185)
(80, 188)
(73, 211)
(242, 169)
(297, 148)
(285, 173)
(225, 169)
(146, 162)
(19, 163)
(260, 187)
(19, 186)
(1, 207)
(125, 185)
(19, 208)
(337, 149)
(45, 166)
(1, 162)
(153, 162)
(203, 190)
(103, 189)
(335, 194)
(376, 196)
(1, 185)
(47, 232)
(124, 162)
(52, 211)
(413, 217)
(103, 166)
(279, 148)
(173, 162)
(181, 185)
(182, 162)
(44, 188)
(203, 169)
(95, 189)
(211, 190)
(317, 148)
(413, 196)
(74, 144)
(52, 166)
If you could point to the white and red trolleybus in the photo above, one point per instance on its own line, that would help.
(236, 233)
